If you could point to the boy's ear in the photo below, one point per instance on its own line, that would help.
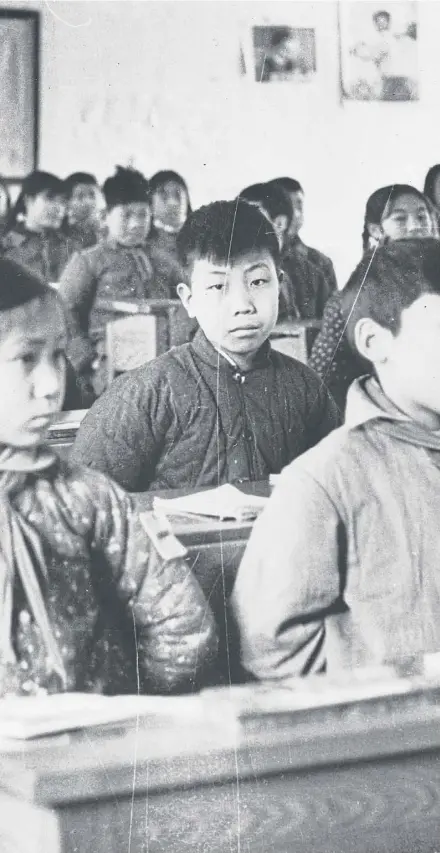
(372, 340)
(185, 296)
(375, 232)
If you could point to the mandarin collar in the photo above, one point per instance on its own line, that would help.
(215, 358)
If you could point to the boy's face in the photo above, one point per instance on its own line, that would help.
(44, 211)
(408, 217)
(410, 372)
(129, 224)
(297, 223)
(236, 305)
(32, 373)
(170, 205)
(83, 203)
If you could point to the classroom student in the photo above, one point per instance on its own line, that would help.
(33, 235)
(392, 213)
(224, 407)
(87, 602)
(171, 207)
(118, 268)
(274, 202)
(311, 272)
(341, 569)
(82, 221)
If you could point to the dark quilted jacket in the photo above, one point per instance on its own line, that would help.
(190, 419)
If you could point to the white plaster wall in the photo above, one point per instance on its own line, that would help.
(157, 84)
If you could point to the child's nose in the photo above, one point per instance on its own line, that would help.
(48, 380)
(241, 301)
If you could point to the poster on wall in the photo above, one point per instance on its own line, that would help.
(18, 92)
(378, 48)
(278, 53)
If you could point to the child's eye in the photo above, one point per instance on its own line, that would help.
(28, 358)
(218, 287)
(259, 282)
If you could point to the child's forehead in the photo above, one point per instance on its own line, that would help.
(244, 261)
(129, 206)
(41, 319)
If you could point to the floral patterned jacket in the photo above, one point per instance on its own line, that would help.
(125, 617)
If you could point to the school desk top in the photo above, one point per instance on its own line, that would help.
(360, 778)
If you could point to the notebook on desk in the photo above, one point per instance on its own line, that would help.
(225, 502)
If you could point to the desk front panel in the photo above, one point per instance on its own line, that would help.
(388, 806)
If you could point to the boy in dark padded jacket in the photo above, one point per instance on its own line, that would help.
(225, 407)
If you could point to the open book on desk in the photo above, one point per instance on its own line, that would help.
(225, 502)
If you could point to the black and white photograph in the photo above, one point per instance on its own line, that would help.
(379, 51)
(283, 54)
(219, 426)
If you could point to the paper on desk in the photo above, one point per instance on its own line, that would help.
(23, 718)
(225, 502)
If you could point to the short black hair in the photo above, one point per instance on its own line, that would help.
(76, 178)
(18, 288)
(382, 13)
(126, 186)
(272, 198)
(289, 185)
(226, 230)
(388, 280)
(430, 180)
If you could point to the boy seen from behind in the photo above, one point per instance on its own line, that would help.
(224, 407)
(342, 566)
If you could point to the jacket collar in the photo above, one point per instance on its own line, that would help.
(367, 402)
(216, 358)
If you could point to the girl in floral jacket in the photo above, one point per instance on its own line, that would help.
(88, 600)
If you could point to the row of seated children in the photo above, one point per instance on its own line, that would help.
(55, 230)
(392, 213)
(52, 219)
(341, 569)
(223, 407)
(332, 574)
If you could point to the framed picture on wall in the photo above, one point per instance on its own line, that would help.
(378, 49)
(279, 53)
(19, 48)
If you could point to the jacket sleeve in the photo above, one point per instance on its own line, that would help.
(123, 433)
(289, 580)
(331, 355)
(77, 288)
(175, 638)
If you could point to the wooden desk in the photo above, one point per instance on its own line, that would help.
(62, 433)
(362, 780)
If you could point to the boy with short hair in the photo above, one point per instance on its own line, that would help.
(311, 272)
(224, 407)
(342, 566)
(118, 268)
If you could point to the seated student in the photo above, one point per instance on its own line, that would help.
(118, 268)
(33, 235)
(274, 202)
(224, 407)
(342, 566)
(87, 602)
(171, 207)
(311, 272)
(83, 218)
(392, 213)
